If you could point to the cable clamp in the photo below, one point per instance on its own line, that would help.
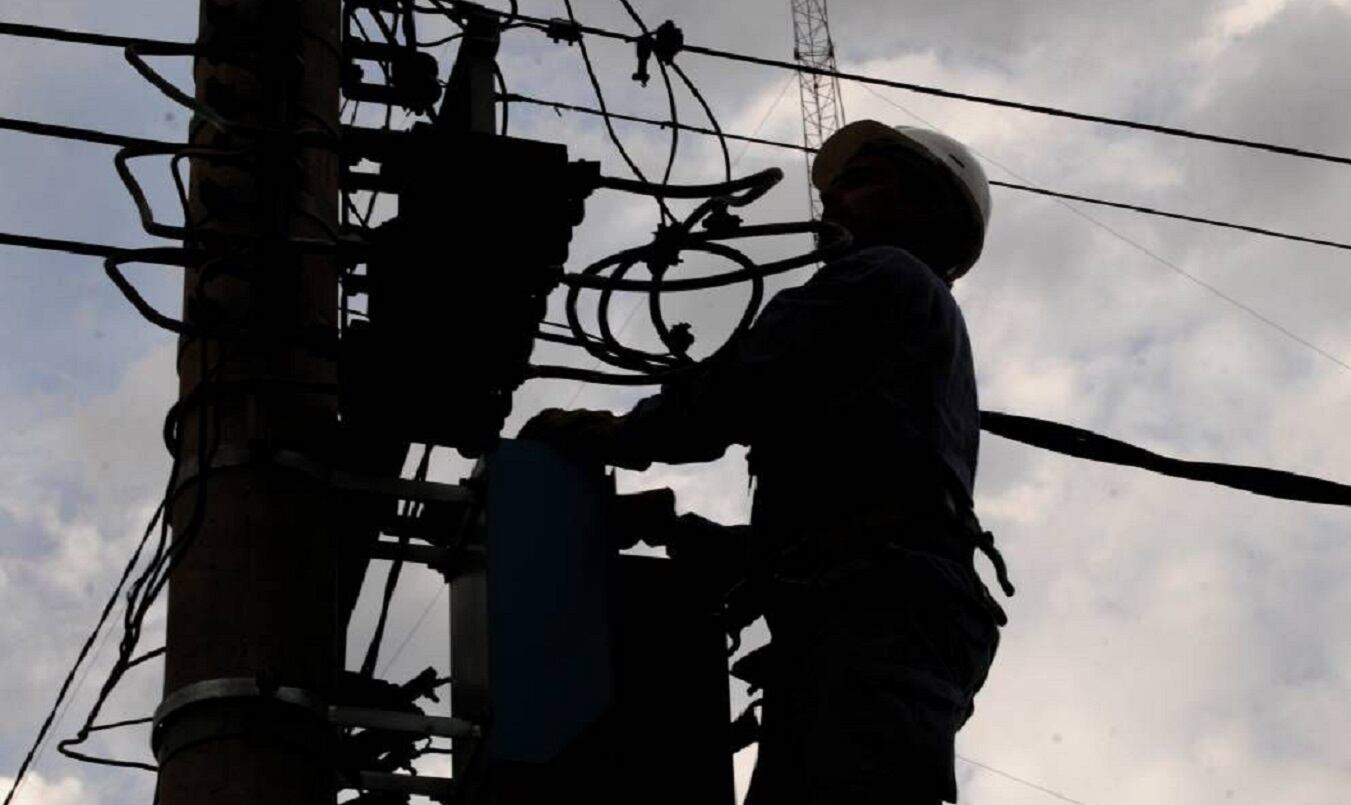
(664, 43)
(561, 30)
(185, 718)
(667, 41)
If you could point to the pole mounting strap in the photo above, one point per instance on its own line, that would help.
(218, 709)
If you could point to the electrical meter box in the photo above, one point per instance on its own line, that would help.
(600, 677)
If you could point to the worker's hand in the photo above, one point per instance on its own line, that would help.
(590, 436)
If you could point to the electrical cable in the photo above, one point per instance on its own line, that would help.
(503, 93)
(80, 657)
(145, 589)
(760, 180)
(1261, 231)
(1177, 216)
(1190, 277)
(702, 242)
(97, 39)
(1101, 202)
(1079, 443)
(80, 134)
(164, 255)
(666, 213)
(988, 100)
(180, 48)
(587, 110)
(712, 119)
(672, 105)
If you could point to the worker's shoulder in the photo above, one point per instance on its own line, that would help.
(884, 269)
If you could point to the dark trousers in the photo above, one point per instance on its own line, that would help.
(873, 673)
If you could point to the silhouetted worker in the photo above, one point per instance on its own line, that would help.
(856, 394)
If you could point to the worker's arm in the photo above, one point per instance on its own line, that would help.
(812, 348)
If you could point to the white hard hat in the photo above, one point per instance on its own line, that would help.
(954, 159)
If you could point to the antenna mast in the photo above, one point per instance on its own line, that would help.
(822, 106)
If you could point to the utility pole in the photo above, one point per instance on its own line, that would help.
(822, 106)
(252, 643)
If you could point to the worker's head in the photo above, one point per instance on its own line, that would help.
(917, 189)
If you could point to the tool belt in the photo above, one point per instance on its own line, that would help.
(825, 563)
(937, 524)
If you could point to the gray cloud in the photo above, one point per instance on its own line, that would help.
(1170, 643)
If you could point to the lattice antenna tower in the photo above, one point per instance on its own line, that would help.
(822, 106)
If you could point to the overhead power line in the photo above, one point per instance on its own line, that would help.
(160, 256)
(81, 134)
(50, 34)
(987, 100)
(1079, 443)
(1135, 244)
(1177, 216)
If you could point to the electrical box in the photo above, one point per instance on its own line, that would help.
(600, 677)
(457, 284)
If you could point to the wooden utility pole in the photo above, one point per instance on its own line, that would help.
(252, 629)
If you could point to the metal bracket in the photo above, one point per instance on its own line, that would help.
(175, 726)
(438, 559)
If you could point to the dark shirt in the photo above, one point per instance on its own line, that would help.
(847, 389)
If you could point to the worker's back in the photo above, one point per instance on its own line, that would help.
(881, 413)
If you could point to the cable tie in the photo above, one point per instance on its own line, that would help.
(561, 30)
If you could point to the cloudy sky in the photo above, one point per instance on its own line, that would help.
(1170, 642)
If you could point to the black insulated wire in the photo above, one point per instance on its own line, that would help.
(666, 213)
(1022, 188)
(1079, 443)
(761, 180)
(81, 134)
(988, 100)
(161, 47)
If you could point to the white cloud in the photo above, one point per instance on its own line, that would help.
(37, 790)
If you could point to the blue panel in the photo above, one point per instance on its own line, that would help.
(548, 576)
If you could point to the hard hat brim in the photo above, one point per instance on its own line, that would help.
(847, 141)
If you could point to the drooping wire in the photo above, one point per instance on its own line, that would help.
(609, 275)
(167, 554)
(672, 106)
(83, 653)
(712, 119)
(1228, 299)
(666, 213)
